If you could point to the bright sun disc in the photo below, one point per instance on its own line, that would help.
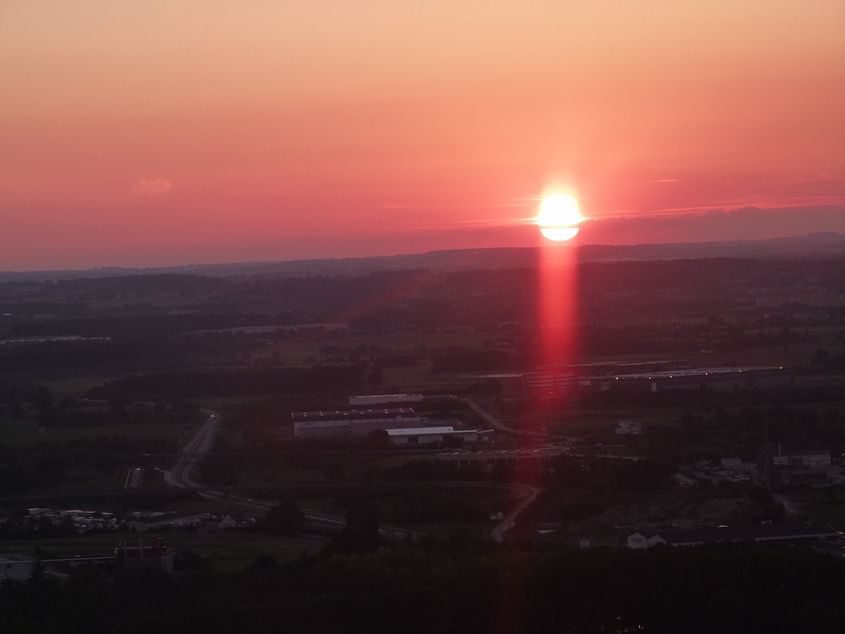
(559, 217)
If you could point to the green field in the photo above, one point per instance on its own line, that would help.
(76, 386)
(228, 551)
(305, 350)
(16, 432)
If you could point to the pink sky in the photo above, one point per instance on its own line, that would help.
(175, 132)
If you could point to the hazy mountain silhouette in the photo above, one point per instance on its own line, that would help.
(814, 245)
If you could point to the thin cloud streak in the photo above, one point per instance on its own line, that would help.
(150, 187)
(728, 206)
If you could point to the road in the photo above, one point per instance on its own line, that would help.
(496, 423)
(192, 453)
(529, 492)
(181, 476)
(134, 478)
(787, 504)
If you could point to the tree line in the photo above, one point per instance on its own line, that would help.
(454, 587)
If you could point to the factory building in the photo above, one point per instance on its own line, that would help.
(155, 556)
(430, 435)
(353, 422)
(807, 459)
(369, 400)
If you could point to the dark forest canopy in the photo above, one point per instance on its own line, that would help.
(162, 322)
(109, 306)
(190, 384)
(456, 588)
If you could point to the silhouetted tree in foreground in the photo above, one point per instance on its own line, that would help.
(285, 518)
(361, 532)
(454, 588)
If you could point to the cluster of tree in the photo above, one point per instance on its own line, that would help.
(708, 400)
(15, 398)
(432, 505)
(648, 296)
(429, 504)
(80, 297)
(640, 476)
(829, 361)
(275, 409)
(563, 472)
(475, 296)
(217, 469)
(435, 471)
(43, 465)
(134, 327)
(360, 532)
(741, 432)
(199, 383)
(69, 413)
(472, 360)
(283, 518)
(455, 588)
(798, 426)
(150, 351)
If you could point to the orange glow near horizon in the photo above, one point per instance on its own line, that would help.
(176, 132)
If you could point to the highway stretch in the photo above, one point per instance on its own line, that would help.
(192, 453)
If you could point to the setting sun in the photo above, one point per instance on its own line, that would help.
(559, 217)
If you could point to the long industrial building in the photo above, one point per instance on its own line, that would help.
(353, 422)
(412, 436)
(370, 400)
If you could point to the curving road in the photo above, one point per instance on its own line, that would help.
(181, 476)
(530, 492)
(496, 423)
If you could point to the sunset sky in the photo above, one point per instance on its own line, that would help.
(149, 133)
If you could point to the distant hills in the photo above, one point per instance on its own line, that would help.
(827, 244)
(814, 245)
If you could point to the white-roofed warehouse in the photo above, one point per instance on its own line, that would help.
(429, 435)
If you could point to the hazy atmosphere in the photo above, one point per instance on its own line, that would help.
(454, 317)
(177, 132)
